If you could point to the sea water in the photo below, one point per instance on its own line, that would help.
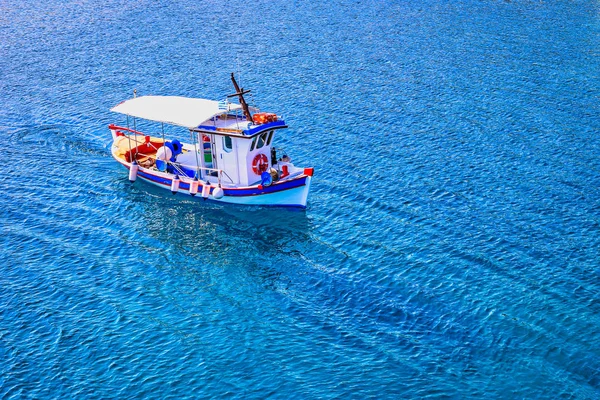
(451, 246)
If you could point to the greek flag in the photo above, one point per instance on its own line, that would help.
(223, 105)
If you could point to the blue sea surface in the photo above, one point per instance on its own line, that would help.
(450, 248)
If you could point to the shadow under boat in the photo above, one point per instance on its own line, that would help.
(191, 218)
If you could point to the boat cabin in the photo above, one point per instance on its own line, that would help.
(242, 149)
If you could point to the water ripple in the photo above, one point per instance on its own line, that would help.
(450, 247)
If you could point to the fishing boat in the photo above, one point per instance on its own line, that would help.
(230, 157)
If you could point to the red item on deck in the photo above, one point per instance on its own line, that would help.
(263, 118)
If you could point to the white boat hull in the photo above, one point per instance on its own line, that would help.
(291, 192)
(296, 197)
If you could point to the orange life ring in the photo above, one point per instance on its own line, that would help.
(260, 164)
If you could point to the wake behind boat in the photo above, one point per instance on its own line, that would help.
(230, 157)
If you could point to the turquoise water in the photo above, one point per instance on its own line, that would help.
(451, 246)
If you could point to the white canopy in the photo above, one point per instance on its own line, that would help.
(182, 111)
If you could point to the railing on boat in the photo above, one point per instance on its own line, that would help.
(177, 166)
(114, 127)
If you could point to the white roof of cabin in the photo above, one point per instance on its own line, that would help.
(175, 110)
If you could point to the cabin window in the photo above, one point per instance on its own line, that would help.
(253, 143)
(261, 140)
(270, 138)
(227, 144)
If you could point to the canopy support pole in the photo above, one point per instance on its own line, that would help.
(196, 151)
(135, 128)
(129, 138)
(162, 129)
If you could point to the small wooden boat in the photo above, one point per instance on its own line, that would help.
(230, 158)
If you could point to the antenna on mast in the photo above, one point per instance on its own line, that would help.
(240, 93)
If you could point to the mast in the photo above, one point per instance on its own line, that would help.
(240, 93)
